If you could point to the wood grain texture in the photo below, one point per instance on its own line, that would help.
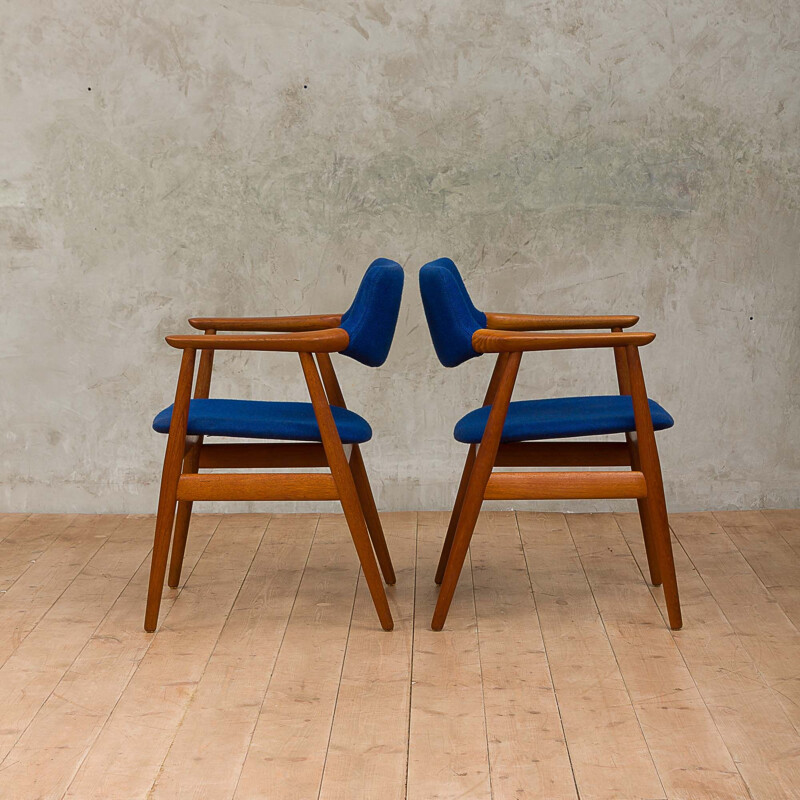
(34, 593)
(768, 635)
(554, 322)
(154, 701)
(787, 523)
(9, 523)
(505, 376)
(207, 754)
(278, 486)
(269, 678)
(286, 756)
(764, 744)
(564, 485)
(23, 545)
(492, 341)
(609, 753)
(528, 754)
(332, 340)
(57, 636)
(305, 322)
(58, 738)
(368, 743)
(690, 756)
(771, 557)
(448, 748)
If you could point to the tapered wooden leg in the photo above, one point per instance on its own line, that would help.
(646, 517)
(173, 459)
(182, 519)
(659, 522)
(358, 530)
(370, 511)
(476, 486)
(348, 495)
(651, 468)
(456, 513)
(473, 500)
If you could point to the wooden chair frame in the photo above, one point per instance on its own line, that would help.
(314, 338)
(509, 335)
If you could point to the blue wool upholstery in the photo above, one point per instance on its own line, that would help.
(560, 418)
(372, 317)
(451, 314)
(256, 419)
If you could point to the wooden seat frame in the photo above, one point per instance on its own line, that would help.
(314, 338)
(509, 335)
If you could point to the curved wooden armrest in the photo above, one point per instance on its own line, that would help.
(550, 322)
(489, 341)
(332, 340)
(309, 322)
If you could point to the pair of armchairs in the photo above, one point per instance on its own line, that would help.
(324, 433)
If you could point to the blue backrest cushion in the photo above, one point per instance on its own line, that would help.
(372, 317)
(451, 314)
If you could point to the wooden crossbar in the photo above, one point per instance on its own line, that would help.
(281, 486)
(564, 485)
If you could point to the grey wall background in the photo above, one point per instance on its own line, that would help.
(162, 160)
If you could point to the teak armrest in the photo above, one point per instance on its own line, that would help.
(309, 322)
(332, 340)
(553, 322)
(488, 341)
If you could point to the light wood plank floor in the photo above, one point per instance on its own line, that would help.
(555, 677)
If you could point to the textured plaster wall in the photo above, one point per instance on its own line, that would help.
(162, 160)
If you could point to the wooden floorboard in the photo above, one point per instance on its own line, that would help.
(527, 750)
(748, 714)
(609, 753)
(448, 749)
(52, 748)
(154, 702)
(287, 751)
(210, 746)
(555, 677)
(9, 523)
(690, 755)
(367, 751)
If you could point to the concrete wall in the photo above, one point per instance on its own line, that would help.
(162, 160)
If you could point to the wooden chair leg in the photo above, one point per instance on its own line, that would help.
(476, 486)
(190, 465)
(473, 500)
(173, 459)
(645, 516)
(179, 536)
(358, 530)
(348, 495)
(456, 513)
(651, 469)
(659, 522)
(182, 519)
(488, 399)
(370, 511)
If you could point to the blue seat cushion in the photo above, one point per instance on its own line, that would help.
(562, 417)
(257, 419)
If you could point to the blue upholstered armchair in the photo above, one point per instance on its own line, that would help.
(287, 434)
(528, 433)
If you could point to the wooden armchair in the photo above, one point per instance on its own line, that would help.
(514, 434)
(314, 434)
